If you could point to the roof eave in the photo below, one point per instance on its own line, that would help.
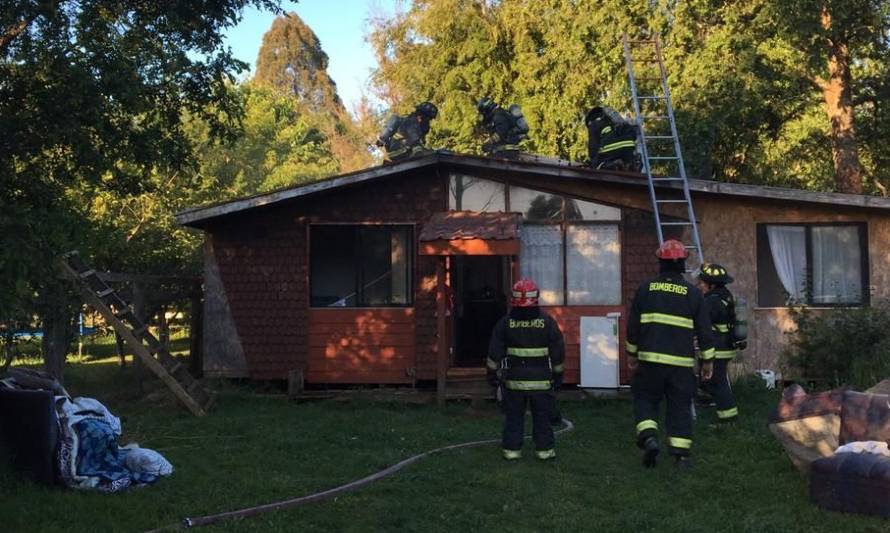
(198, 216)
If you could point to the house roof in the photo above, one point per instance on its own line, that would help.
(456, 225)
(199, 216)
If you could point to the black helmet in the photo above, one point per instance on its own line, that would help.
(714, 273)
(427, 109)
(485, 106)
(593, 115)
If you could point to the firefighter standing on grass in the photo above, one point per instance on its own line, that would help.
(528, 350)
(712, 280)
(666, 316)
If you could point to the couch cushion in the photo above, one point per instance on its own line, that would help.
(865, 417)
(29, 430)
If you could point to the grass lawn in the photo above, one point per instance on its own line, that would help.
(256, 447)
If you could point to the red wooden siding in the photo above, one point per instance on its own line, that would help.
(569, 320)
(263, 260)
(361, 346)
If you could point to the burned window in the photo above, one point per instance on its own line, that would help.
(360, 266)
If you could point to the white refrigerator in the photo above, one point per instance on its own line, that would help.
(599, 351)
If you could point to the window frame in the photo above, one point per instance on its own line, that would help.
(411, 256)
(563, 224)
(865, 280)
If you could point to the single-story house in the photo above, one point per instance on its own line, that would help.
(396, 274)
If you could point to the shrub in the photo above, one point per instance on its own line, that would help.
(844, 346)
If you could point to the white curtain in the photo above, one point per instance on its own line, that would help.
(789, 249)
(541, 260)
(593, 265)
(836, 265)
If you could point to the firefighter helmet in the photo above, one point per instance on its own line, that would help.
(593, 115)
(525, 293)
(714, 273)
(672, 250)
(427, 109)
(485, 106)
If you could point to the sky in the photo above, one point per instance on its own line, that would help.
(340, 25)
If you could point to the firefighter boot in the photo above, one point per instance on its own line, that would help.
(650, 452)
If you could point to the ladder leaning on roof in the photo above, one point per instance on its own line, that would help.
(653, 111)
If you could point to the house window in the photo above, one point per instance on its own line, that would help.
(571, 248)
(467, 193)
(813, 264)
(360, 266)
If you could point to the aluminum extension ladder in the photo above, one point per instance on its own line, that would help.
(659, 146)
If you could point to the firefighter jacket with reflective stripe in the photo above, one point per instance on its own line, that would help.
(667, 313)
(529, 346)
(721, 306)
(617, 137)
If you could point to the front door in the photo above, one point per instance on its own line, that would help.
(481, 286)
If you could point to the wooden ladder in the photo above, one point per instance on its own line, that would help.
(146, 346)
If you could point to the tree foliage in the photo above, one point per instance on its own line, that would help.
(278, 145)
(292, 62)
(92, 100)
(747, 78)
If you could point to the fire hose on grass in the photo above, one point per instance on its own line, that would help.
(336, 491)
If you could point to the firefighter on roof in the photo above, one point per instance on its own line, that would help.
(611, 141)
(526, 355)
(506, 128)
(404, 137)
(666, 316)
(712, 280)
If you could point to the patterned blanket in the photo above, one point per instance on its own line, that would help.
(89, 457)
(100, 457)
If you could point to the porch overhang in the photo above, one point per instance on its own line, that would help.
(470, 233)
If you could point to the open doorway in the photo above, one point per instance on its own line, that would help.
(481, 285)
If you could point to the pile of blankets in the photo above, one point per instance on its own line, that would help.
(89, 456)
(80, 433)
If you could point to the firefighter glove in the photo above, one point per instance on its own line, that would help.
(557, 380)
(492, 377)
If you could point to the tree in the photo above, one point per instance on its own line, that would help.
(292, 61)
(92, 96)
(277, 146)
(830, 38)
(743, 75)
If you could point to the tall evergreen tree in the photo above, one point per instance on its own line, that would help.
(292, 61)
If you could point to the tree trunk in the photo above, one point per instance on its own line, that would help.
(838, 98)
(57, 318)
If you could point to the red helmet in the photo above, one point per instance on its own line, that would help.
(672, 250)
(525, 293)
